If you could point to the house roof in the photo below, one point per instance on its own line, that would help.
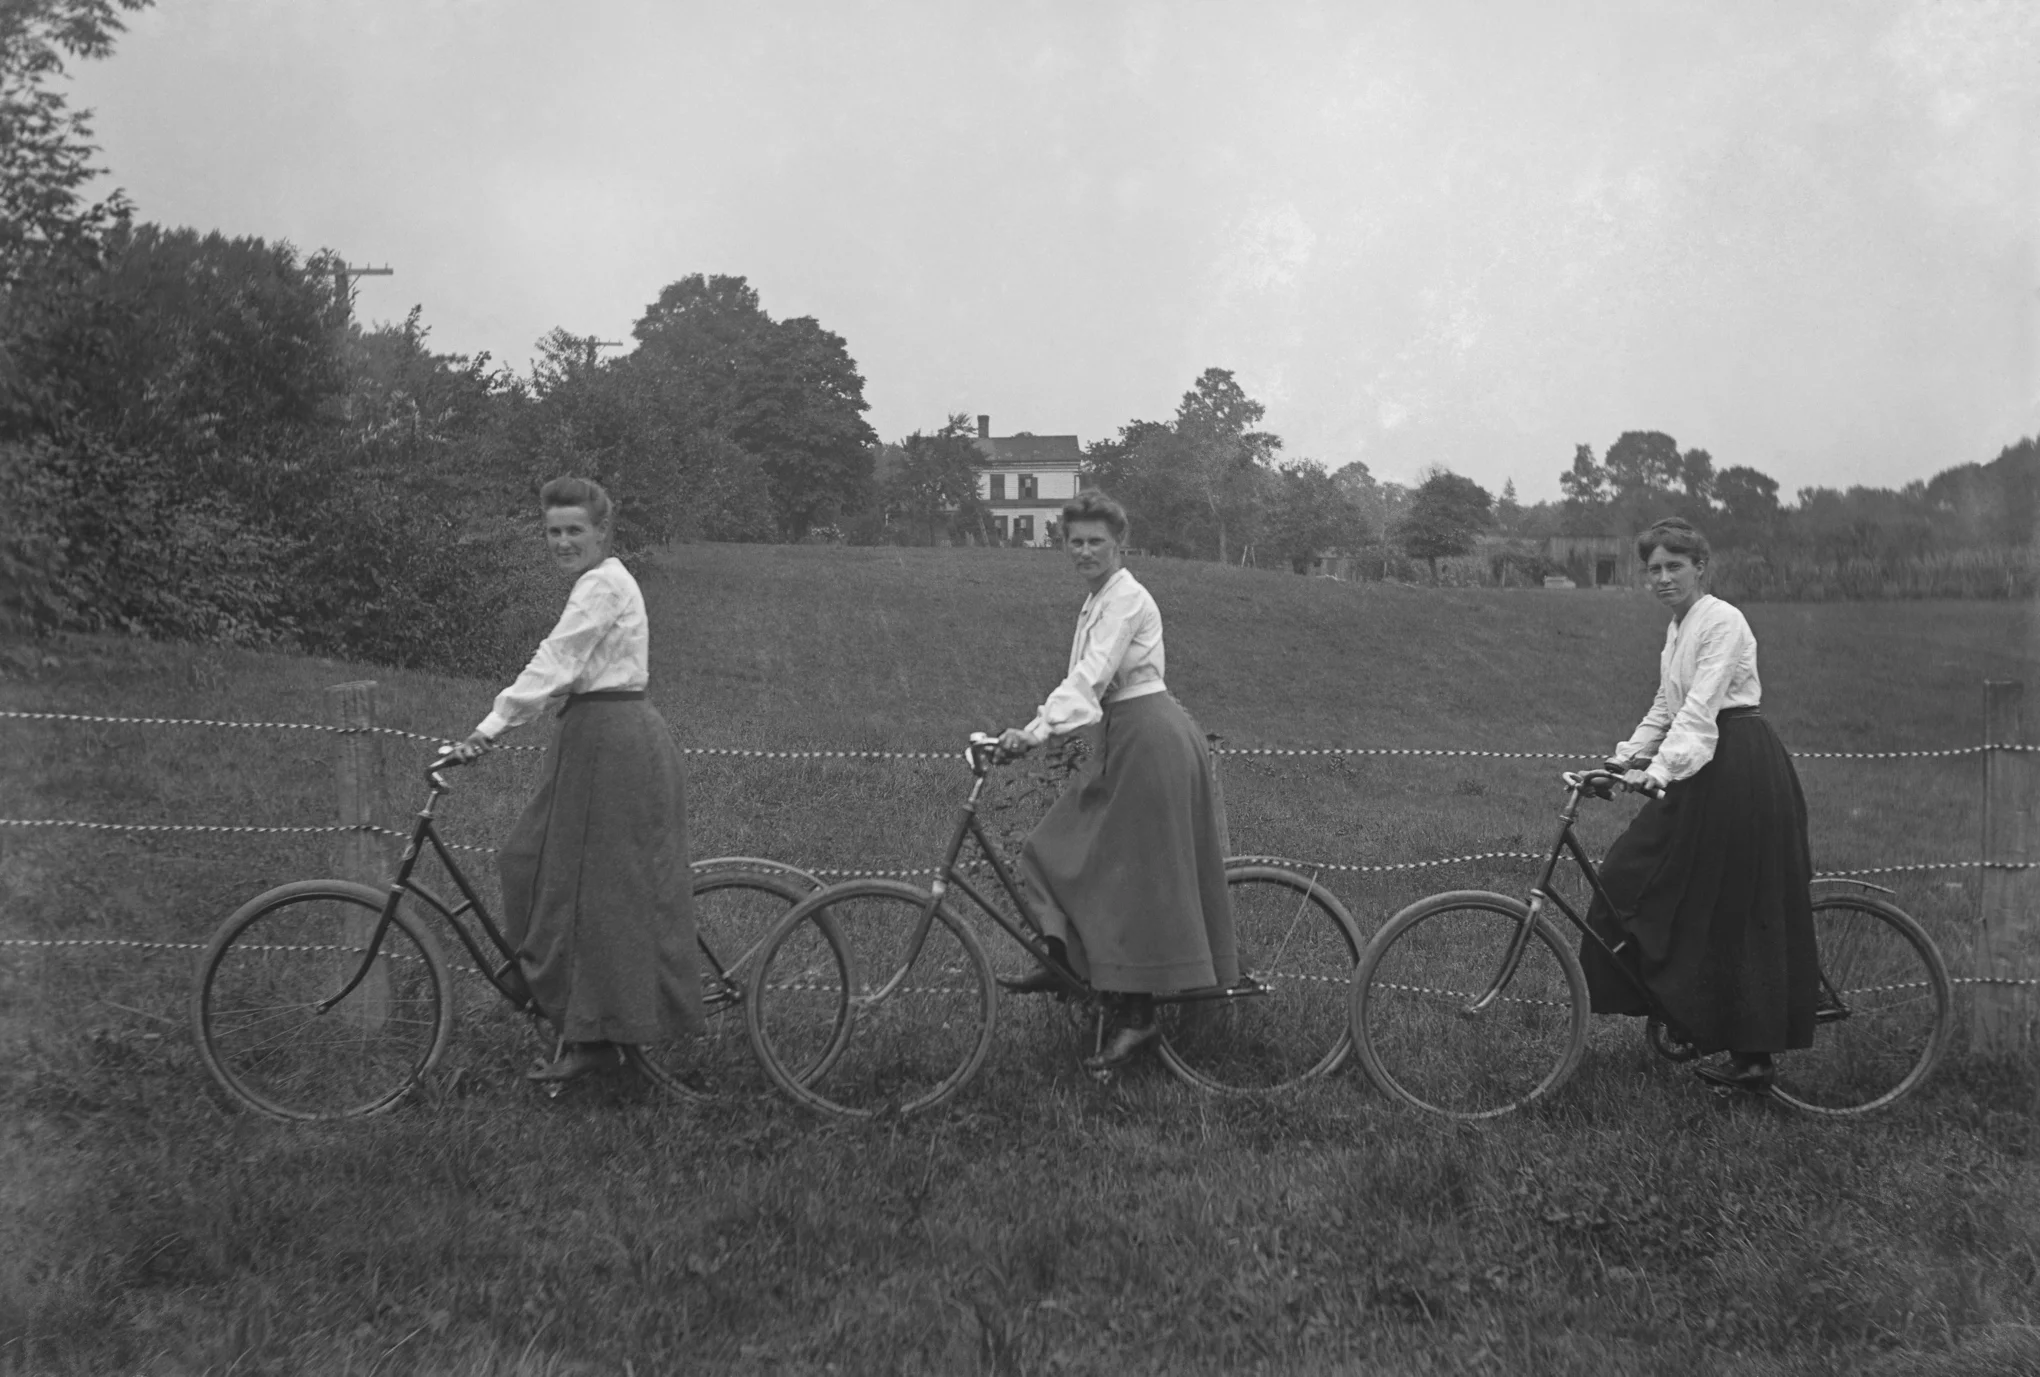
(1029, 451)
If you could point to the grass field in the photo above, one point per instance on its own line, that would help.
(1634, 1225)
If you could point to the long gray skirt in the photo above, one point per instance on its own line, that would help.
(1129, 864)
(597, 897)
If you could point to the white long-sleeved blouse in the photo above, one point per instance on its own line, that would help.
(600, 642)
(1115, 655)
(1709, 663)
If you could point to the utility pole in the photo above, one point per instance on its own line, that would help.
(592, 344)
(342, 274)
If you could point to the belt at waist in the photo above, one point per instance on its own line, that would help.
(1140, 690)
(1730, 714)
(602, 696)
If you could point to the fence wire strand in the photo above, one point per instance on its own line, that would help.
(748, 753)
(1332, 867)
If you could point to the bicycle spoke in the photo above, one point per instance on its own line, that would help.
(1297, 948)
(1886, 973)
(1413, 995)
(907, 1032)
(273, 964)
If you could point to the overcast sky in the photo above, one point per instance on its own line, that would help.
(1798, 235)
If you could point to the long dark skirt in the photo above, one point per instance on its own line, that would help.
(1130, 862)
(1710, 887)
(597, 897)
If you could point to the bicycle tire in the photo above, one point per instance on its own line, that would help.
(1884, 969)
(917, 1032)
(735, 910)
(1409, 1001)
(264, 972)
(1286, 1022)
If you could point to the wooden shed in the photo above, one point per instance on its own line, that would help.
(1595, 561)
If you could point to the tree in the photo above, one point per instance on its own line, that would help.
(1749, 505)
(195, 344)
(1643, 461)
(50, 234)
(1312, 513)
(933, 479)
(1109, 465)
(799, 407)
(45, 158)
(1508, 511)
(1221, 455)
(1445, 515)
(786, 393)
(1585, 484)
(1696, 478)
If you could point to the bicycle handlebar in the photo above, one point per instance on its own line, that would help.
(983, 752)
(1602, 782)
(444, 760)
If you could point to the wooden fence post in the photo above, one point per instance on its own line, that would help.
(361, 856)
(2003, 1016)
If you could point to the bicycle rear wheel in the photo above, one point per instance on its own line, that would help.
(920, 1021)
(735, 910)
(1286, 1021)
(1884, 1011)
(255, 1010)
(1410, 998)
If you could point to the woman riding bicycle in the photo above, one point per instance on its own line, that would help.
(1130, 862)
(1710, 883)
(596, 890)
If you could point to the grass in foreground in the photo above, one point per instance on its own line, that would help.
(1637, 1225)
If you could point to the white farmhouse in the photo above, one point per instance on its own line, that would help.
(1025, 479)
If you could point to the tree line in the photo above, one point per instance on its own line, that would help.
(197, 439)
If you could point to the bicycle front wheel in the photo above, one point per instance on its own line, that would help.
(735, 910)
(1411, 1001)
(1285, 1021)
(256, 1009)
(1884, 1011)
(920, 1016)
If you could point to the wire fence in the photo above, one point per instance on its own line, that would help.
(751, 753)
(834, 872)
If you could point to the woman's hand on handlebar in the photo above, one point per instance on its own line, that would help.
(1014, 743)
(1640, 782)
(470, 749)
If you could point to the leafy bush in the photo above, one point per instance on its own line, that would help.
(1778, 576)
(105, 539)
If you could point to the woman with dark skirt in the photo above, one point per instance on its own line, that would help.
(1709, 886)
(597, 897)
(1129, 864)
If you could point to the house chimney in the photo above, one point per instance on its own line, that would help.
(984, 427)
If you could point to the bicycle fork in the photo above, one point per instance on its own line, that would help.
(1511, 959)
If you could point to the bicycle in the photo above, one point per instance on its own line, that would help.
(922, 1021)
(1467, 1004)
(326, 999)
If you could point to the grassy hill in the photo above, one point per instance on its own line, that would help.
(1636, 1225)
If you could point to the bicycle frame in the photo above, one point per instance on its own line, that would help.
(1542, 893)
(1029, 932)
(424, 831)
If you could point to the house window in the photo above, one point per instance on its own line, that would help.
(998, 487)
(1023, 530)
(1029, 486)
(1004, 533)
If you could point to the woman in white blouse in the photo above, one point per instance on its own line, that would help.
(596, 890)
(1710, 883)
(1129, 864)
